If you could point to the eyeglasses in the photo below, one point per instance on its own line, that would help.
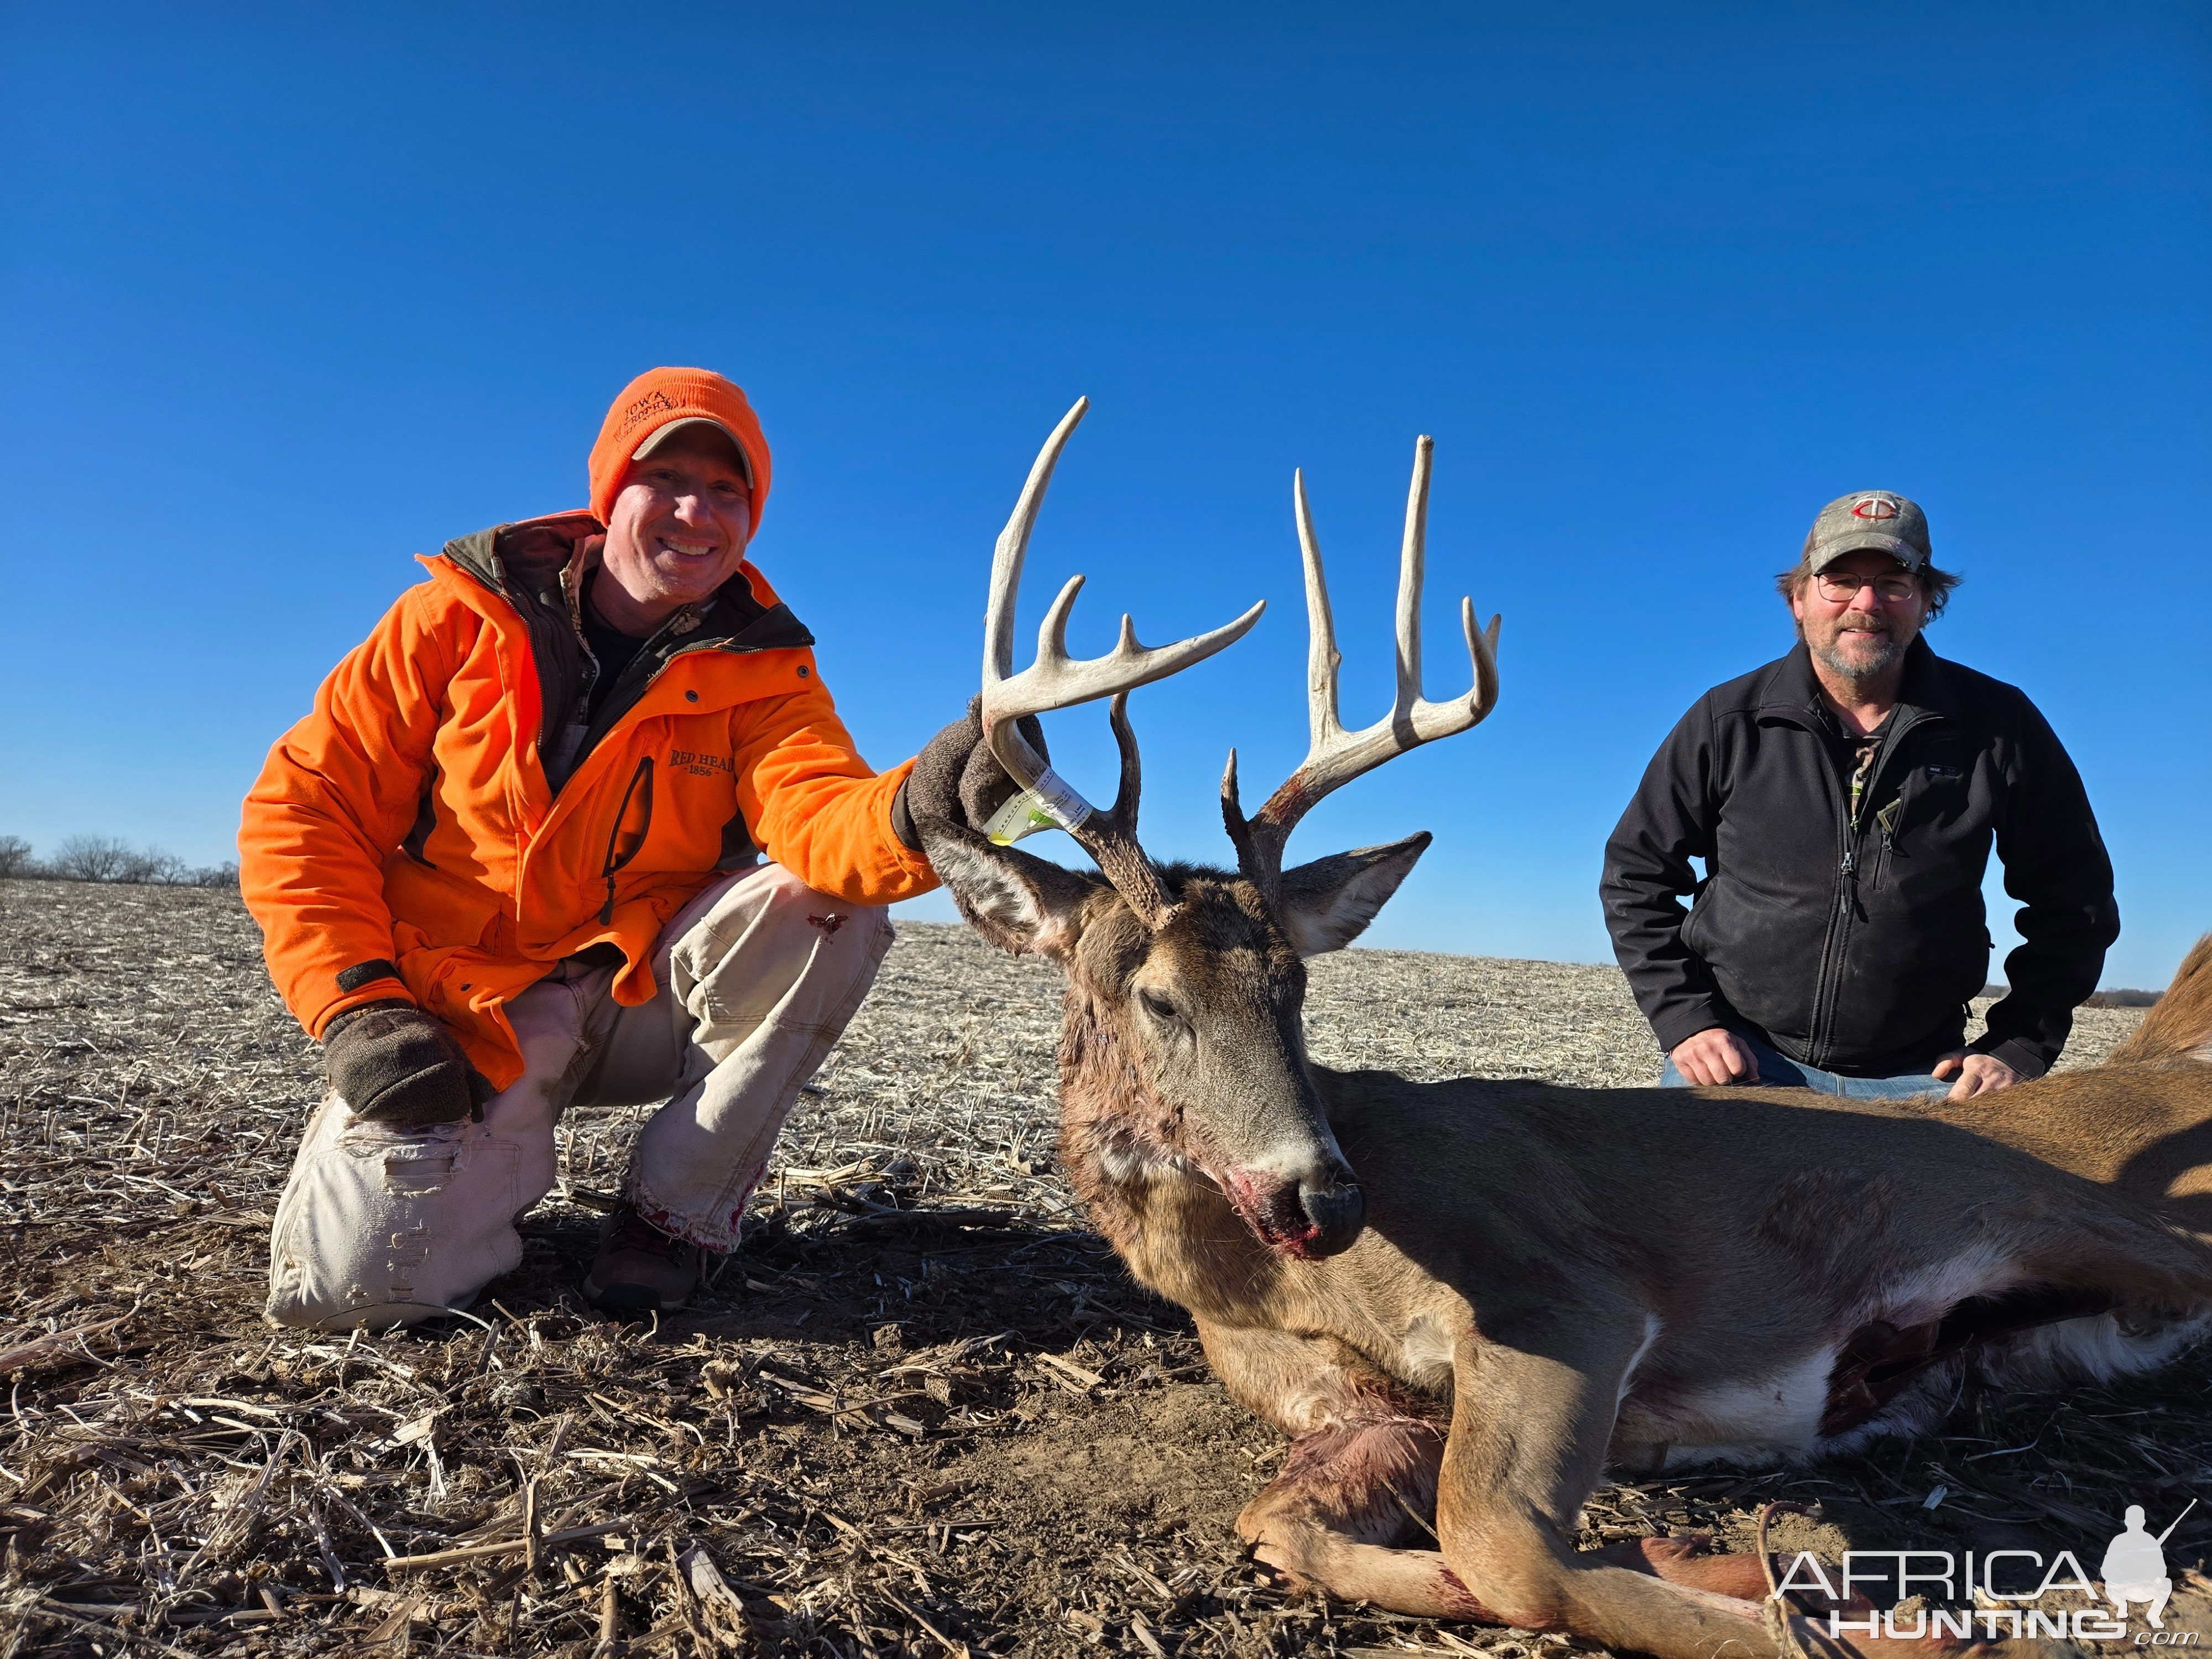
(1839, 588)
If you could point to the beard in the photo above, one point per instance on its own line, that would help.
(1864, 663)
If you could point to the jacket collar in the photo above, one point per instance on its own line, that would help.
(1790, 690)
(523, 563)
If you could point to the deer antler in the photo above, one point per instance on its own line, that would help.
(1056, 680)
(1336, 755)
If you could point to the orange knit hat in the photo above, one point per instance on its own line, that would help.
(659, 398)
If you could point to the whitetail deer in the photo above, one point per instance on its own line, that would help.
(1526, 1284)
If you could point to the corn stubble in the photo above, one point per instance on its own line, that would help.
(923, 1411)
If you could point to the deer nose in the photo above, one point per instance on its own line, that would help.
(1337, 1212)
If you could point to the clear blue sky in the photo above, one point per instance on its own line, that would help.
(288, 295)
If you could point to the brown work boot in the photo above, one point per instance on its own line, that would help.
(640, 1270)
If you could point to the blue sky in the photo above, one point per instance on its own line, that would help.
(289, 294)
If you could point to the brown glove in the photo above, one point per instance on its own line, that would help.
(958, 777)
(392, 1063)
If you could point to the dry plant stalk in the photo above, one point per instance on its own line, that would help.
(924, 1410)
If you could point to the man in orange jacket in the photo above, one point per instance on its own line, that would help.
(511, 863)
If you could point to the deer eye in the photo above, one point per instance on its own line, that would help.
(1158, 1006)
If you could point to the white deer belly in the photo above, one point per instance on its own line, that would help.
(1751, 1421)
(1778, 1417)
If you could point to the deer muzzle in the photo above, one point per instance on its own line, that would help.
(1337, 1212)
(1306, 1218)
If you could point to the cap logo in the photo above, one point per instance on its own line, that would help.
(1874, 507)
(653, 403)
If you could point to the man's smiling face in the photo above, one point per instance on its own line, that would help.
(679, 523)
(1860, 635)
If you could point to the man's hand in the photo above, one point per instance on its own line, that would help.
(958, 777)
(392, 1063)
(1714, 1059)
(1977, 1074)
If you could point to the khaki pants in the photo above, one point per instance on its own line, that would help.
(757, 977)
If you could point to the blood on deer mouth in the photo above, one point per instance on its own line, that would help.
(1270, 1207)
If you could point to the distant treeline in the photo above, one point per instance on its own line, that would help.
(103, 858)
(2099, 999)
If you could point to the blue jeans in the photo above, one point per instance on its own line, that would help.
(1778, 1070)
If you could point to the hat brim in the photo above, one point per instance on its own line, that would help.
(661, 435)
(1896, 546)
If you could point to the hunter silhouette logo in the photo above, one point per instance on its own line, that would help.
(2135, 1567)
(1874, 507)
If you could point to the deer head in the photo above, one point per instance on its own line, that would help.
(1184, 1047)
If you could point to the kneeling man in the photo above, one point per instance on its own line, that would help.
(1844, 801)
(512, 862)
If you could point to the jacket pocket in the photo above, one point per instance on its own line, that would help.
(624, 842)
(1692, 923)
(1886, 823)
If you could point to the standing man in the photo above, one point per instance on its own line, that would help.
(1843, 800)
(511, 863)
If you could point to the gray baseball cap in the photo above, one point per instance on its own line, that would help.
(1868, 520)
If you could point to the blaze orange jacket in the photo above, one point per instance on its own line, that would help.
(446, 825)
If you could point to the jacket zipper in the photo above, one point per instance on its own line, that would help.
(569, 756)
(572, 753)
(682, 622)
(575, 736)
(1821, 1036)
(640, 782)
(1851, 841)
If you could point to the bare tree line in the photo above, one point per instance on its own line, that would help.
(108, 859)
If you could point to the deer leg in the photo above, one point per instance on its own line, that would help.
(1361, 1475)
(1533, 1404)
(1349, 1494)
(1533, 1410)
(1687, 1561)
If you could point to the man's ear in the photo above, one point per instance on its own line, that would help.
(1327, 904)
(1020, 904)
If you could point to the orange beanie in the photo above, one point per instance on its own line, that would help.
(652, 401)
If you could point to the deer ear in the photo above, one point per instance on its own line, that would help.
(1023, 904)
(1327, 904)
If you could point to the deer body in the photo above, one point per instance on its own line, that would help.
(1752, 1233)
(1709, 1277)
(1467, 1298)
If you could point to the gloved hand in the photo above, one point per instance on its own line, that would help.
(392, 1063)
(958, 777)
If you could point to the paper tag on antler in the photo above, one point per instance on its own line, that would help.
(1051, 803)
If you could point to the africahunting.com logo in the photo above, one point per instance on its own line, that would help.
(2134, 1575)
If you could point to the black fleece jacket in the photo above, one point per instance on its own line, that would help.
(1854, 946)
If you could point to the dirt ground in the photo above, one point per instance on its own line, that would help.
(923, 1411)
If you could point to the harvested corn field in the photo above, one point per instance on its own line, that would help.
(923, 1411)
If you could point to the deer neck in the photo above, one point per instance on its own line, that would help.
(1172, 1226)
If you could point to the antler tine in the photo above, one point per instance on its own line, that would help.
(1324, 660)
(1013, 546)
(1336, 757)
(1110, 838)
(1056, 680)
(1413, 567)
